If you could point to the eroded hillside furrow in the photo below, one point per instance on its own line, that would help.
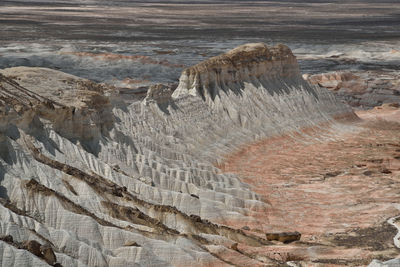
(111, 180)
(35, 188)
(135, 216)
(103, 186)
(117, 211)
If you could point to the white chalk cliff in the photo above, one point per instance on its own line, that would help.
(110, 180)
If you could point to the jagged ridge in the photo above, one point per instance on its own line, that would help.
(143, 172)
(229, 71)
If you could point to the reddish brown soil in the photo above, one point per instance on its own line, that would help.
(338, 193)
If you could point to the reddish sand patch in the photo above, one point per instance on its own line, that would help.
(336, 193)
(389, 112)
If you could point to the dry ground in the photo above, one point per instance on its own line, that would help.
(338, 193)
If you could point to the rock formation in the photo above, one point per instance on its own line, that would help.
(361, 89)
(75, 107)
(285, 237)
(113, 181)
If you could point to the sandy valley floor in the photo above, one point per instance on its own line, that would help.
(337, 192)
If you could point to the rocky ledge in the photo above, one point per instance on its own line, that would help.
(361, 89)
(36, 98)
(246, 63)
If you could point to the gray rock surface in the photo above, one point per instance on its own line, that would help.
(88, 171)
(389, 263)
(361, 89)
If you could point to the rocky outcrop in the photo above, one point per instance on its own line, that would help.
(246, 63)
(48, 254)
(33, 247)
(111, 180)
(335, 80)
(159, 94)
(285, 237)
(44, 252)
(361, 89)
(256, 89)
(34, 98)
(7, 238)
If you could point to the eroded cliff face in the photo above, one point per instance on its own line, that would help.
(251, 92)
(251, 63)
(36, 98)
(107, 180)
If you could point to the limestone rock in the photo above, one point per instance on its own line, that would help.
(229, 71)
(235, 246)
(90, 170)
(33, 247)
(159, 93)
(75, 107)
(334, 80)
(362, 89)
(7, 238)
(285, 237)
(48, 254)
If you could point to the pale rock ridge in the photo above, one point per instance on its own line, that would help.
(93, 171)
(253, 87)
(246, 63)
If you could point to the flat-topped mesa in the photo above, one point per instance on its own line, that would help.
(74, 107)
(252, 63)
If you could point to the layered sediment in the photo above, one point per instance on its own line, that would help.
(107, 180)
(361, 89)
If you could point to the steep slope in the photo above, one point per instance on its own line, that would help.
(110, 179)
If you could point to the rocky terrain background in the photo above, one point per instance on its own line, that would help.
(132, 43)
(117, 147)
(92, 175)
(361, 89)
